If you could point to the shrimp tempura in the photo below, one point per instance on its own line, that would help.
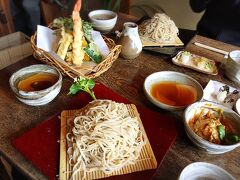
(78, 53)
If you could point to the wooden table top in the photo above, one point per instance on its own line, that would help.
(125, 77)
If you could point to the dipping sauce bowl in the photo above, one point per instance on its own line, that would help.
(174, 90)
(36, 85)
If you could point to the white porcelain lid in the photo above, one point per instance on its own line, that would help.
(204, 171)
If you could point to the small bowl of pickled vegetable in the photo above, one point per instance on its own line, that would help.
(212, 127)
(36, 85)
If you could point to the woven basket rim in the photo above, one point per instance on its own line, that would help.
(69, 70)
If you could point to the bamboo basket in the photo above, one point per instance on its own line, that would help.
(71, 71)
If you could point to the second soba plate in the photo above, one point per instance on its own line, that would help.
(176, 42)
(160, 30)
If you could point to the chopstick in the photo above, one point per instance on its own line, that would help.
(211, 48)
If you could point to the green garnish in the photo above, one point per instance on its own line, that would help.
(227, 138)
(82, 84)
(231, 139)
(208, 65)
(186, 53)
(221, 131)
(92, 49)
(235, 138)
(87, 28)
(65, 22)
(93, 52)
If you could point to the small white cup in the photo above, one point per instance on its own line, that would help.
(237, 106)
(232, 66)
(103, 20)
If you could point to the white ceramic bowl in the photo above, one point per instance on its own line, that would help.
(203, 170)
(35, 98)
(203, 144)
(103, 20)
(232, 66)
(237, 106)
(173, 77)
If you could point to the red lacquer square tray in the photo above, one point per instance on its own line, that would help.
(40, 144)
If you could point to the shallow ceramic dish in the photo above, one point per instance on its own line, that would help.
(170, 76)
(103, 20)
(203, 170)
(35, 98)
(211, 148)
(193, 63)
(211, 91)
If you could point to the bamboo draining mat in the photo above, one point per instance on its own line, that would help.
(146, 161)
(146, 42)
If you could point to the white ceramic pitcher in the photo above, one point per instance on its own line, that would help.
(130, 41)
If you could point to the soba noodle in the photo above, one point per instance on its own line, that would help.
(104, 137)
(160, 29)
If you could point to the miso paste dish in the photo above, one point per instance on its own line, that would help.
(198, 63)
(160, 29)
(221, 93)
(225, 96)
(105, 138)
(212, 125)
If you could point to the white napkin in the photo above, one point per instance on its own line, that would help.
(99, 41)
(46, 39)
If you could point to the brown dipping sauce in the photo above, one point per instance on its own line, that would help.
(37, 82)
(174, 94)
(102, 16)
